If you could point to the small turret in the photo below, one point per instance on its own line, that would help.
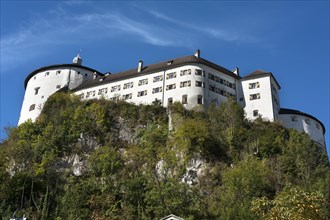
(77, 60)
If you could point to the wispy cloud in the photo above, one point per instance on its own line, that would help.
(215, 32)
(63, 26)
(116, 22)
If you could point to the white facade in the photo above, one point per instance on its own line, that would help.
(192, 85)
(259, 96)
(303, 123)
(44, 82)
(191, 80)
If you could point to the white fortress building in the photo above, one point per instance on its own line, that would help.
(191, 80)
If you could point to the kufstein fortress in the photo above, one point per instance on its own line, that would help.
(191, 80)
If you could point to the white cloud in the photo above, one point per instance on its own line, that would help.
(215, 32)
(62, 28)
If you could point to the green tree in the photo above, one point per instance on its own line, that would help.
(292, 203)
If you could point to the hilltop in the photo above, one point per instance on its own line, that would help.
(99, 159)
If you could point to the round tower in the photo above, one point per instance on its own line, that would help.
(303, 122)
(45, 81)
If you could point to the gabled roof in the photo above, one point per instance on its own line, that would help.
(162, 66)
(172, 217)
(284, 111)
(260, 73)
(57, 66)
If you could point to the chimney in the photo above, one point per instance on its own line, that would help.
(197, 53)
(140, 67)
(236, 71)
(94, 75)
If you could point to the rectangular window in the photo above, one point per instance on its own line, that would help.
(115, 88)
(231, 85)
(200, 99)
(217, 79)
(169, 101)
(90, 94)
(127, 96)
(199, 84)
(58, 86)
(185, 72)
(157, 90)
(199, 72)
(185, 99)
(103, 91)
(254, 85)
(158, 78)
(255, 113)
(185, 84)
(81, 96)
(171, 75)
(211, 76)
(142, 93)
(128, 85)
(143, 82)
(170, 87)
(115, 98)
(36, 90)
(255, 96)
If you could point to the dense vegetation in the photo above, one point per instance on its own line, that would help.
(113, 160)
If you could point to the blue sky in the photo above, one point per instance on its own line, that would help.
(289, 39)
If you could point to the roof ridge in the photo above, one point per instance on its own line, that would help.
(160, 66)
